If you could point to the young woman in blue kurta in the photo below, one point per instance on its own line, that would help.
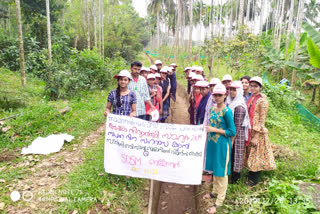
(218, 153)
(217, 144)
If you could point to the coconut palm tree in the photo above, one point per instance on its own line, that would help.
(21, 51)
(299, 24)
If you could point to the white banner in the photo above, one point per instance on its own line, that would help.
(159, 151)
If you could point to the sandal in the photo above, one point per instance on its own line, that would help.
(210, 195)
(250, 183)
(212, 209)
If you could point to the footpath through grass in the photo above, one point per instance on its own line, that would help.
(89, 187)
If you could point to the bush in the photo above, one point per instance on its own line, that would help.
(85, 70)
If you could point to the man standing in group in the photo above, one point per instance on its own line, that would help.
(140, 88)
(158, 63)
(173, 81)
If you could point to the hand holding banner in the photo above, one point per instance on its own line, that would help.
(159, 151)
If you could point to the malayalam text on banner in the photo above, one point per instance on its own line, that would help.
(159, 151)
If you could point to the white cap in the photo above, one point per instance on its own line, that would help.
(173, 65)
(226, 77)
(163, 70)
(199, 68)
(198, 77)
(187, 68)
(219, 89)
(202, 84)
(151, 76)
(236, 84)
(214, 81)
(256, 79)
(154, 67)
(123, 73)
(143, 68)
(157, 75)
(170, 69)
(194, 67)
(191, 74)
(158, 62)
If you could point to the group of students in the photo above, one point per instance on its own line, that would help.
(144, 90)
(234, 114)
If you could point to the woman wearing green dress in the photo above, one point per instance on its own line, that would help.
(221, 128)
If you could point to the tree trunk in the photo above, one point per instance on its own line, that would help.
(190, 28)
(49, 34)
(231, 17)
(248, 12)
(300, 18)
(21, 51)
(9, 21)
(88, 25)
(158, 28)
(199, 42)
(102, 29)
(280, 25)
(94, 24)
(99, 27)
(263, 5)
(211, 18)
(220, 17)
(314, 94)
(241, 11)
(75, 41)
(289, 28)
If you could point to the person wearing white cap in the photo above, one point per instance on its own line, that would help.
(155, 98)
(144, 72)
(122, 100)
(259, 155)
(158, 63)
(159, 91)
(211, 101)
(218, 152)
(226, 81)
(140, 88)
(153, 69)
(199, 70)
(237, 104)
(173, 81)
(187, 71)
(194, 97)
(205, 92)
(166, 86)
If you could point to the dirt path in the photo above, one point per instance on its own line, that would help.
(177, 198)
(47, 176)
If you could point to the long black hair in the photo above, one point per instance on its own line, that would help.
(118, 95)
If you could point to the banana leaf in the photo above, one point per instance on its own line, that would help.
(314, 54)
(313, 33)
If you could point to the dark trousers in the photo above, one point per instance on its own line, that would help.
(254, 176)
(235, 176)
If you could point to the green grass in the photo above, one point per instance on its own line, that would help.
(37, 116)
(90, 181)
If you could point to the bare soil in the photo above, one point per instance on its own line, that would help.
(177, 198)
(47, 175)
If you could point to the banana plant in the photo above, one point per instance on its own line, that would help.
(314, 54)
